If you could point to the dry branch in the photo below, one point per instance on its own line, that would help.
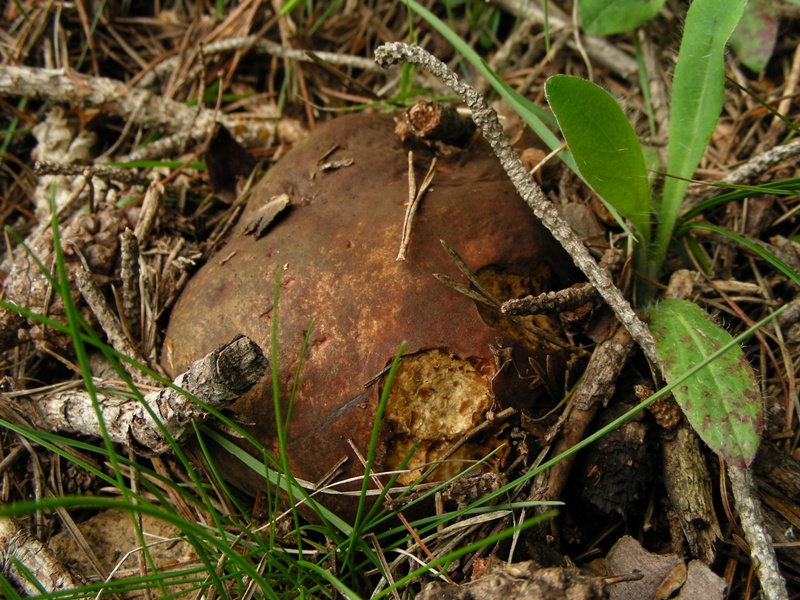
(142, 107)
(215, 380)
(593, 391)
(261, 46)
(688, 486)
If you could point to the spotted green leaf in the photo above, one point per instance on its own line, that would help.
(754, 38)
(722, 400)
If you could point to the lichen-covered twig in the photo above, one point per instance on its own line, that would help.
(762, 553)
(129, 274)
(550, 303)
(486, 119)
(215, 380)
(760, 164)
(750, 170)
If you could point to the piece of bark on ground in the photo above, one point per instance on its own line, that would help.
(594, 390)
(663, 575)
(522, 581)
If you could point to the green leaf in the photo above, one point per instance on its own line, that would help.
(697, 89)
(606, 17)
(721, 401)
(604, 146)
(753, 40)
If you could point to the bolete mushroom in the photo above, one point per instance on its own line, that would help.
(335, 246)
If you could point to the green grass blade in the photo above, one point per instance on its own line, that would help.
(793, 129)
(722, 401)
(340, 587)
(697, 90)
(546, 19)
(12, 130)
(464, 550)
(642, 76)
(373, 440)
(199, 536)
(783, 187)
(607, 17)
(275, 479)
(605, 148)
(754, 248)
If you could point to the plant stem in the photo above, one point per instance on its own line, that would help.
(486, 119)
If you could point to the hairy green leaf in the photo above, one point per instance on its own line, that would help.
(604, 146)
(697, 89)
(721, 401)
(606, 17)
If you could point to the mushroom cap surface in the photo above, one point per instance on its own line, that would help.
(335, 250)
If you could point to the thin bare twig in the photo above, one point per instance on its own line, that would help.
(597, 48)
(414, 198)
(486, 119)
(110, 324)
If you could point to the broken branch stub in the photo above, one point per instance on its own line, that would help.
(214, 380)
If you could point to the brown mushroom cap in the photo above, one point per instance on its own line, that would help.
(336, 248)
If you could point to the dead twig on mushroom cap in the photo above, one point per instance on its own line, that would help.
(485, 118)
